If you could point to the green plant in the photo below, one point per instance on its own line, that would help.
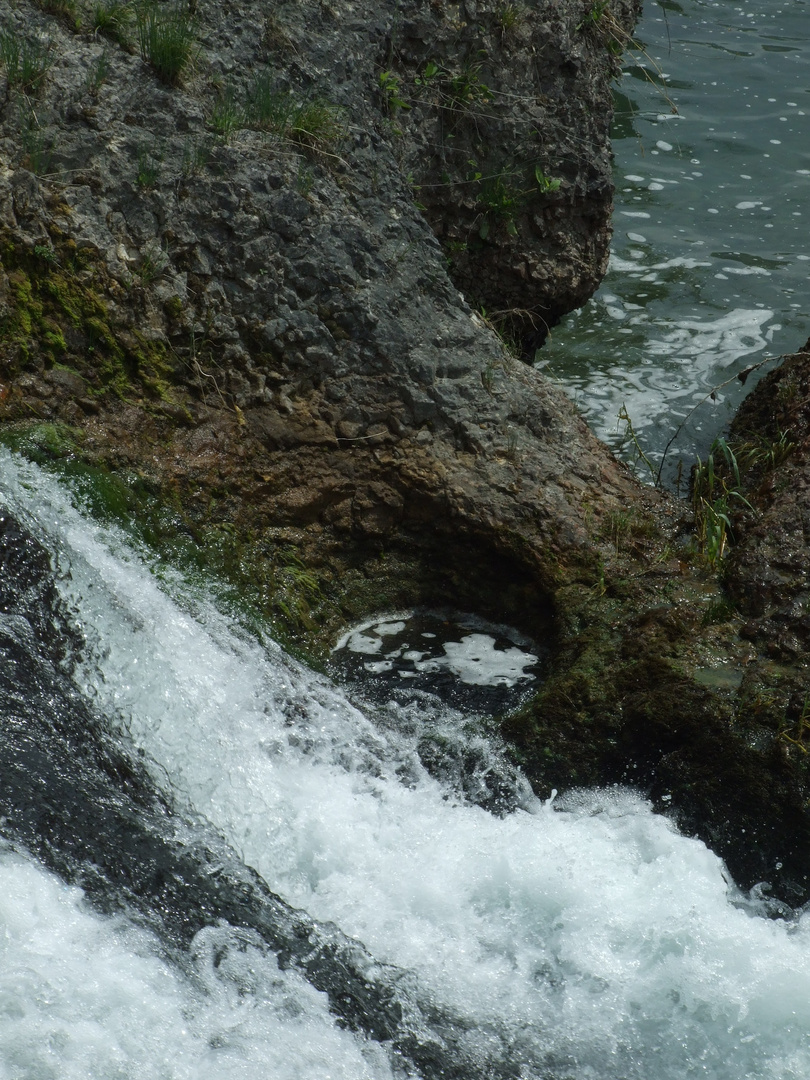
(167, 40)
(464, 88)
(226, 115)
(740, 376)
(716, 490)
(502, 198)
(454, 90)
(502, 325)
(274, 36)
(617, 527)
(317, 123)
(45, 252)
(598, 12)
(154, 261)
(37, 148)
(488, 377)
(304, 180)
(314, 122)
(26, 62)
(98, 73)
(148, 170)
(507, 16)
(196, 155)
(546, 183)
(719, 611)
(503, 195)
(112, 19)
(62, 9)
(391, 93)
(766, 453)
(453, 249)
(631, 438)
(267, 107)
(512, 446)
(788, 390)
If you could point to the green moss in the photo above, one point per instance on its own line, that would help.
(53, 337)
(99, 333)
(174, 307)
(43, 442)
(263, 585)
(26, 309)
(57, 315)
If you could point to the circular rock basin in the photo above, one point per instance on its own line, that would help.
(465, 661)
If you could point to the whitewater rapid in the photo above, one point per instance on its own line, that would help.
(583, 938)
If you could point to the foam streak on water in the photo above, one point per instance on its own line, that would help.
(603, 943)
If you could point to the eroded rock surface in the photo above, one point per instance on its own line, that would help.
(266, 305)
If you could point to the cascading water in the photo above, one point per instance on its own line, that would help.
(582, 939)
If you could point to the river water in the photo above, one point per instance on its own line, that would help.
(584, 939)
(710, 266)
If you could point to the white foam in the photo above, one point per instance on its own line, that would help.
(747, 271)
(358, 640)
(477, 662)
(89, 998)
(592, 932)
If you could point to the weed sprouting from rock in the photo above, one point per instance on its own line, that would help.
(62, 9)
(314, 122)
(196, 155)
(148, 170)
(391, 93)
(167, 39)
(113, 20)
(508, 16)
(226, 115)
(98, 73)
(26, 63)
(716, 491)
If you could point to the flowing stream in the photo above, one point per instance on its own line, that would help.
(710, 266)
(585, 938)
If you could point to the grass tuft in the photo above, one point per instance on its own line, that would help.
(26, 63)
(315, 122)
(167, 39)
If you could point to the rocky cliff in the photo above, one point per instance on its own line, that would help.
(226, 276)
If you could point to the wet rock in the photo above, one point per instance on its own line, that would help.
(769, 570)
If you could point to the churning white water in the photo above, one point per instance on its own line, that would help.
(603, 943)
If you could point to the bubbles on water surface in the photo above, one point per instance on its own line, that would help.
(463, 660)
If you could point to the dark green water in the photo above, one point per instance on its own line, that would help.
(710, 266)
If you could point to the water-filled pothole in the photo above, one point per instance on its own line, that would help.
(463, 660)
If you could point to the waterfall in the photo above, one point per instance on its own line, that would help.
(215, 864)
